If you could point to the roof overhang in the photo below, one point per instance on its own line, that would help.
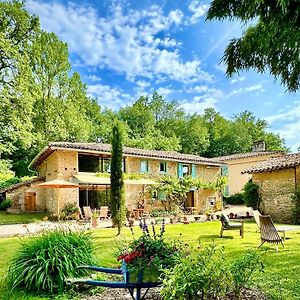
(48, 150)
(89, 179)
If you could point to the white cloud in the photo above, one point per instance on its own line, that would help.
(197, 89)
(142, 83)
(288, 116)
(253, 88)
(124, 42)
(108, 96)
(221, 67)
(94, 78)
(164, 91)
(239, 79)
(200, 103)
(198, 9)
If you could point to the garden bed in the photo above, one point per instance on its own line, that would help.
(153, 294)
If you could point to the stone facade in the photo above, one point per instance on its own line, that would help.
(18, 197)
(276, 190)
(63, 164)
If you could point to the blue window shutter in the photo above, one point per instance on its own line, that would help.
(226, 190)
(180, 170)
(224, 170)
(161, 195)
(194, 171)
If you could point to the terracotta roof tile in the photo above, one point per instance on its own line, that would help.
(245, 155)
(128, 151)
(275, 163)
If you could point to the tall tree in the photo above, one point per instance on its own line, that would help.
(272, 44)
(17, 31)
(116, 179)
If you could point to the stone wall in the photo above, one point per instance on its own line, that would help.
(62, 164)
(276, 190)
(17, 196)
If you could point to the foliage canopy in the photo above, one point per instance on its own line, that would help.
(272, 41)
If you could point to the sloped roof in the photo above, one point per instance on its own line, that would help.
(127, 151)
(20, 184)
(275, 163)
(245, 155)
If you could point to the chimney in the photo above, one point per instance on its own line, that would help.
(259, 146)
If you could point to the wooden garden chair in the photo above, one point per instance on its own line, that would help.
(87, 212)
(268, 232)
(103, 212)
(256, 215)
(281, 229)
(227, 225)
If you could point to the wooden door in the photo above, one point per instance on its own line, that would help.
(30, 201)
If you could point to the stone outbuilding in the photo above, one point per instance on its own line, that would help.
(235, 164)
(277, 179)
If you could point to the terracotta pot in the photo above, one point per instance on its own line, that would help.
(95, 222)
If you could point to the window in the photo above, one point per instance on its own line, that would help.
(88, 163)
(144, 166)
(163, 167)
(185, 170)
(105, 165)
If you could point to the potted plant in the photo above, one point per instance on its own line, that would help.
(145, 258)
(95, 219)
(208, 214)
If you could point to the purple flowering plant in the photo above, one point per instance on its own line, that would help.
(151, 252)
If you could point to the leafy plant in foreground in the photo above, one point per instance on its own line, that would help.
(243, 268)
(43, 263)
(202, 275)
(207, 274)
(150, 253)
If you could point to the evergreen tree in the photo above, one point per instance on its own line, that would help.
(116, 178)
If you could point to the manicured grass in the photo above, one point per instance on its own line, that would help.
(23, 218)
(280, 280)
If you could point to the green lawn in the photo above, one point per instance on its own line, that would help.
(23, 218)
(280, 280)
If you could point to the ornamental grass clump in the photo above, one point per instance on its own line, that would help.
(150, 253)
(43, 263)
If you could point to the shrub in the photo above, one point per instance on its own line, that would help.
(251, 195)
(161, 213)
(206, 274)
(5, 204)
(234, 199)
(243, 268)
(203, 275)
(70, 211)
(296, 208)
(43, 263)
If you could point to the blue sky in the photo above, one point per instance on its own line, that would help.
(124, 49)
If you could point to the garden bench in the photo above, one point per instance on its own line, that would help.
(134, 288)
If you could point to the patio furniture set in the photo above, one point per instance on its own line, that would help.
(268, 231)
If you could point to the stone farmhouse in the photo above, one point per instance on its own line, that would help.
(277, 179)
(88, 165)
(235, 164)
